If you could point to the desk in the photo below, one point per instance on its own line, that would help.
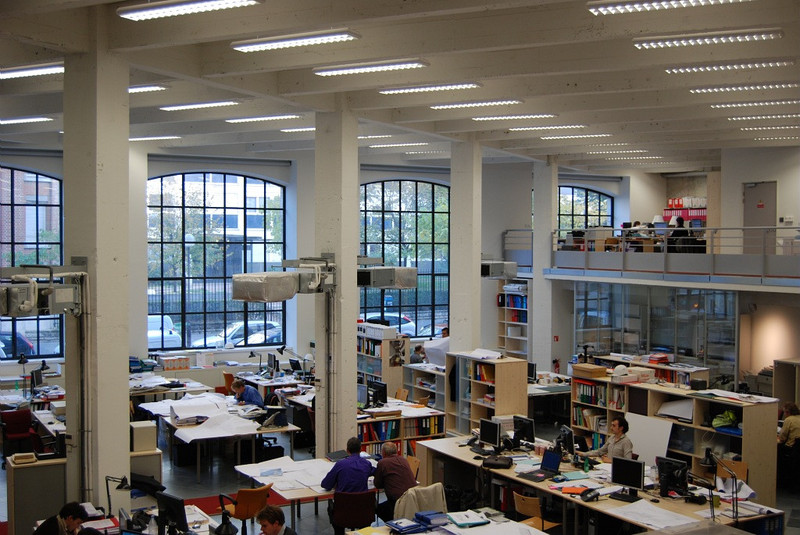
(266, 386)
(440, 452)
(48, 421)
(141, 385)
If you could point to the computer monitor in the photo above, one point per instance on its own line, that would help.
(490, 434)
(673, 476)
(696, 223)
(661, 228)
(377, 393)
(272, 362)
(531, 372)
(626, 224)
(523, 430)
(295, 364)
(362, 396)
(171, 514)
(628, 473)
(567, 440)
(36, 379)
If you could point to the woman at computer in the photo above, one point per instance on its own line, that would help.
(617, 444)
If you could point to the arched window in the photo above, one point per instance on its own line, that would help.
(31, 232)
(584, 208)
(407, 223)
(202, 228)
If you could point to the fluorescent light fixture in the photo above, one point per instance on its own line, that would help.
(299, 129)
(708, 38)
(375, 136)
(391, 145)
(554, 127)
(175, 8)
(374, 66)
(617, 8)
(150, 88)
(762, 128)
(610, 145)
(153, 138)
(635, 158)
(200, 105)
(721, 67)
(765, 117)
(747, 87)
(295, 40)
(459, 105)
(780, 138)
(31, 70)
(788, 102)
(576, 136)
(263, 118)
(25, 120)
(429, 88)
(639, 151)
(514, 117)
(416, 152)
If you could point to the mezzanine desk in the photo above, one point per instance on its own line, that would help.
(435, 455)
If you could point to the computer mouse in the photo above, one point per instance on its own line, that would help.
(478, 457)
(654, 500)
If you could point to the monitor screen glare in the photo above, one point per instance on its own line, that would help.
(490, 433)
(628, 473)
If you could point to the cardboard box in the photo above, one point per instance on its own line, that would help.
(143, 436)
(588, 370)
(645, 374)
(59, 408)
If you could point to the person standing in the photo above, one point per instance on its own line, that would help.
(67, 522)
(393, 474)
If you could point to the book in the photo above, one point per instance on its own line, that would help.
(404, 525)
(467, 519)
(431, 518)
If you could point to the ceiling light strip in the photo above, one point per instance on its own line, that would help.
(295, 40)
(618, 8)
(788, 102)
(298, 129)
(779, 138)
(25, 120)
(150, 88)
(31, 70)
(393, 145)
(764, 117)
(622, 158)
(429, 88)
(747, 87)
(762, 128)
(263, 118)
(553, 127)
(711, 38)
(460, 105)
(153, 138)
(637, 151)
(515, 117)
(200, 105)
(372, 67)
(175, 8)
(375, 136)
(721, 67)
(576, 136)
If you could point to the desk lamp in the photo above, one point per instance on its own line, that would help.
(23, 360)
(226, 527)
(122, 484)
(253, 355)
(44, 366)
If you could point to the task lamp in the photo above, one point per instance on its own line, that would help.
(712, 461)
(658, 219)
(44, 366)
(673, 221)
(23, 360)
(226, 527)
(252, 355)
(122, 484)
(292, 353)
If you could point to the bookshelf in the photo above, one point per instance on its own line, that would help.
(786, 380)
(483, 388)
(404, 431)
(380, 354)
(425, 380)
(678, 375)
(512, 318)
(595, 400)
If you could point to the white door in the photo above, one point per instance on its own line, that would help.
(760, 210)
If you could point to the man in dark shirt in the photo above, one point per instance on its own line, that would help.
(395, 476)
(673, 242)
(348, 475)
(67, 522)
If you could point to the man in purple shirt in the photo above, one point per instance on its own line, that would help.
(348, 475)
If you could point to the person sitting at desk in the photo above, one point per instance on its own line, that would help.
(790, 431)
(418, 356)
(617, 445)
(246, 394)
(393, 474)
(273, 521)
(67, 522)
(347, 475)
(673, 242)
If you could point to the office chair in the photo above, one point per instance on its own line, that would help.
(228, 377)
(353, 510)
(401, 394)
(530, 507)
(247, 504)
(17, 431)
(313, 449)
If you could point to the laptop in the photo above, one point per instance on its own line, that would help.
(550, 464)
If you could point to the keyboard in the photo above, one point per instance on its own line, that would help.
(624, 497)
(481, 451)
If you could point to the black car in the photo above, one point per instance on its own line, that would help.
(23, 345)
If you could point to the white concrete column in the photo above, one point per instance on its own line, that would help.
(465, 245)
(96, 227)
(300, 218)
(545, 197)
(337, 216)
(137, 198)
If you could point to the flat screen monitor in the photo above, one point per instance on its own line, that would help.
(628, 473)
(272, 362)
(361, 396)
(626, 224)
(377, 393)
(490, 433)
(523, 430)
(295, 364)
(36, 378)
(171, 513)
(672, 476)
(696, 223)
(531, 372)
(567, 439)
(661, 228)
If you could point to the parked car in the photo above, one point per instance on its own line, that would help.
(24, 345)
(401, 321)
(161, 328)
(234, 333)
(437, 330)
(272, 335)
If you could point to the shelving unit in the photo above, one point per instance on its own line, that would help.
(380, 354)
(688, 440)
(424, 380)
(404, 431)
(786, 380)
(484, 387)
(512, 317)
(672, 374)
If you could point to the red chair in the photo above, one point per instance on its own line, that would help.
(353, 510)
(17, 432)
